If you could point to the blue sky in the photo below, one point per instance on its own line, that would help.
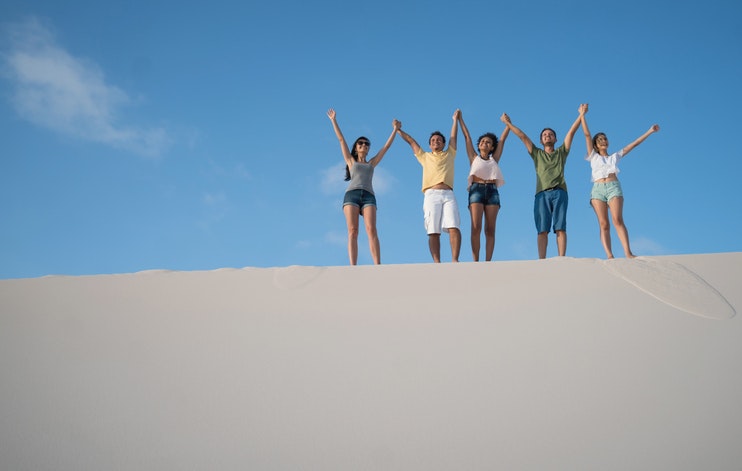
(194, 136)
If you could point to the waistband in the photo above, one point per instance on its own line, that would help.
(442, 190)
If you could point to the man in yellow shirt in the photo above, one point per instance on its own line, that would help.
(439, 204)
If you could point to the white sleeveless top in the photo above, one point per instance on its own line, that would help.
(486, 170)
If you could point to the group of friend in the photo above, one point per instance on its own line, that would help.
(485, 177)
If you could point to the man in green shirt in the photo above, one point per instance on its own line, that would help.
(551, 201)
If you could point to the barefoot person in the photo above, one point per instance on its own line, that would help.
(359, 196)
(485, 177)
(606, 193)
(439, 204)
(551, 200)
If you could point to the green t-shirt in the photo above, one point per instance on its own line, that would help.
(549, 168)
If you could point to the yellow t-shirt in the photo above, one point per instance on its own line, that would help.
(437, 167)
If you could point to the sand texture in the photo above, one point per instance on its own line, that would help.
(560, 364)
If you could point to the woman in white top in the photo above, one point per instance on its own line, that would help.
(606, 192)
(359, 197)
(485, 177)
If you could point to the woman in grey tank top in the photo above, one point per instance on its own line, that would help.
(359, 196)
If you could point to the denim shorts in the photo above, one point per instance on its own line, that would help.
(550, 206)
(606, 191)
(484, 193)
(359, 198)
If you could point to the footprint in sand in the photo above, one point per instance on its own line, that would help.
(673, 284)
(295, 276)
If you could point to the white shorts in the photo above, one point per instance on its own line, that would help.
(441, 211)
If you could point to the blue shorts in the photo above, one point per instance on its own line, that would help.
(550, 206)
(484, 193)
(359, 198)
(606, 191)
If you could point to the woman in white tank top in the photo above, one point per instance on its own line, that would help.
(485, 177)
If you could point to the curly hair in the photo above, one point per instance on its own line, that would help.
(495, 142)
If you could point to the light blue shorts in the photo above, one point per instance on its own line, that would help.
(606, 191)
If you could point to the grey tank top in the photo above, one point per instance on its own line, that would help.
(361, 176)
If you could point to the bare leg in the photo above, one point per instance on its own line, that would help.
(369, 219)
(434, 243)
(476, 210)
(561, 237)
(454, 235)
(601, 211)
(616, 205)
(351, 219)
(490, 220)
(542, 241)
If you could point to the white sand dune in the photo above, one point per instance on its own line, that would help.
(561, 364)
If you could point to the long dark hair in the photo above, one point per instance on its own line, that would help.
(494, 142)
(354, 154)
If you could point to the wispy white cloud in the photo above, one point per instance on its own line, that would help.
(646, 246)
(238, 171)
(336, 238)
(332, 180)
(215, 207)
(70, 95)
(214, 199)
(384, 181)
(303, 245)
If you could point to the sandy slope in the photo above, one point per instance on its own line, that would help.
(558, 364)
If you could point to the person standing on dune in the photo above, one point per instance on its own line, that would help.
(440, 208)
